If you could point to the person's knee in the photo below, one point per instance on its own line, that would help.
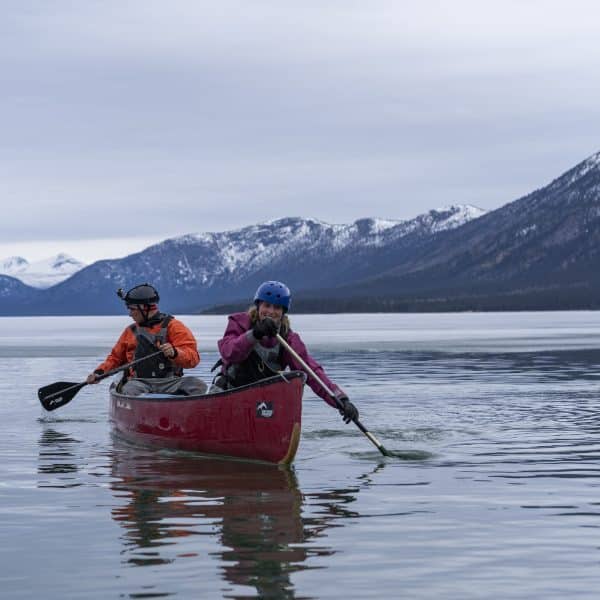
(193, 386)
(133, 387)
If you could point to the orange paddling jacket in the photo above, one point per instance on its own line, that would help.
(178, 335)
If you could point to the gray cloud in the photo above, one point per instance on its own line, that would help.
(165, 118)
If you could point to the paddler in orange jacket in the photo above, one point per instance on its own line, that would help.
(153, 331)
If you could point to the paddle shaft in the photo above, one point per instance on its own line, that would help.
(369, 435)
(77, 386)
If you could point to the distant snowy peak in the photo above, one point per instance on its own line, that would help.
(61, 263)
(64, 261)
(13, 265)
(44, 273)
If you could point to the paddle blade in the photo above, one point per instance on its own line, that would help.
(58, 394)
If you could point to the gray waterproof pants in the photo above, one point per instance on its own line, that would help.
(187, 385)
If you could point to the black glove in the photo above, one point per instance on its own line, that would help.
(348, 411)
(266, 327)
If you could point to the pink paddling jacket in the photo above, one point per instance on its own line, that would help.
(238, 341)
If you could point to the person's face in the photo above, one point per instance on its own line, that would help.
(266, 309)
(135, 313)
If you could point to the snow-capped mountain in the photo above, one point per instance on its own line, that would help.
(200, 270)
(43, 273)
(235, 254)
(540, 251)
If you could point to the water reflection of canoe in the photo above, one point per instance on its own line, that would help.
(174, 507)
(257, 422)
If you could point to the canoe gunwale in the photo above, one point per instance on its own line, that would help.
(285, 376)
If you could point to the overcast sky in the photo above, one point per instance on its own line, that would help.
(127, 122)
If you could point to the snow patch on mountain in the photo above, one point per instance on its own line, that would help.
(451, 217)
(590, 164)
(381, 225)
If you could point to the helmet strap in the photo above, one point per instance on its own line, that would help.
(146, 309)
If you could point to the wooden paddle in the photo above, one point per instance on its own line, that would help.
(58, 394)
(369, 435)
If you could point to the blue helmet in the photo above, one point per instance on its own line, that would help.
(274, 292)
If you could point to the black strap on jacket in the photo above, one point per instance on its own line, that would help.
(250, 370)
(158, 366)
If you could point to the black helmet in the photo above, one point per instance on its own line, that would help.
(140, 294)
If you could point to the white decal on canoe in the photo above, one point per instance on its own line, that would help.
(264, 410)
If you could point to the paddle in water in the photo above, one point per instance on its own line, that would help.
(369, 435)
(59, 393)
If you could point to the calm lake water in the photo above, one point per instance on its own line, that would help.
(494, 491)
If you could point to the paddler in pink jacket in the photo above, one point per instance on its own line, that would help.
(250, 351)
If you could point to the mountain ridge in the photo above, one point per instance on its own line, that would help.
(548, 239)
(198, 270)
(540, 251)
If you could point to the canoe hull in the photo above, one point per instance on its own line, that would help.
(256, 422)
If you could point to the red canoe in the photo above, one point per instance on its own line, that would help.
(255, 422)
